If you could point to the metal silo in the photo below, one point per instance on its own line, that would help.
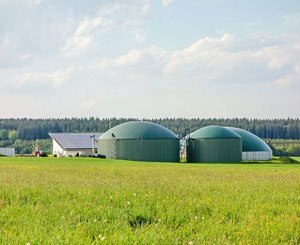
(140, 141)
(214, 144)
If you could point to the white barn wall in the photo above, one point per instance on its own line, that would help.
(81, 152)
(7, 152)
(57, 150)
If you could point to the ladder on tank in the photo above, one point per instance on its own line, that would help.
(113, 151)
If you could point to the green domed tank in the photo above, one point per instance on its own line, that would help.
(214, 144)
(140, 141)
(253, 147)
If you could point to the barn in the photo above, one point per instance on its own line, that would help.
(72, 144)
(140, 141)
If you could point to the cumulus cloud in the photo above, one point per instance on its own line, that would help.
(276, 56)
(170, 61)
(43, 44)
(207, 52)
(214, 59)
(54, 79)
(154, 55)
(84, 35)
(290, 79)
(119, 16)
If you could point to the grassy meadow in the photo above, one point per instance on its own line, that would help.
(83, 201)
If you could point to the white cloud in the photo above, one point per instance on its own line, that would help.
(212, 59)
(276, 56)
(139, 53)
(207, 52)
(35, 1)
(132, 58)
(84, 35)
(24, 57)
(135, 29)
(89, 104)
(128, 17)
(55, 79)
(167, 2)
(152, 55)
(145, 8)
(11, 56)
(291, 78)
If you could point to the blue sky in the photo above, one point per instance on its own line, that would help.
(149, 58)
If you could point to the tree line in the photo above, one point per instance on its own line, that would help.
(32, 129)
(281, 147)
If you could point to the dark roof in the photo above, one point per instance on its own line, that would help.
(250, 142)
(139, 130)
(74, 140)
(214, 132)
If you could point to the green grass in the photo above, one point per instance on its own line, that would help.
(297, 159)
(83, 201)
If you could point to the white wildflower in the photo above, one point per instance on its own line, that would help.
(102, 238)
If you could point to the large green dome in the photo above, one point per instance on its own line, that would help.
(139, 130)
(214, 132)
(250, 142)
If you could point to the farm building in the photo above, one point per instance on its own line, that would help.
(214, 144)
(9, 152)
(140, 141)
(253, 147)
(72, 144)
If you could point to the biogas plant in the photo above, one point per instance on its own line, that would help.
(140, 141)
(147, 141)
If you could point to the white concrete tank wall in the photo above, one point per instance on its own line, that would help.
(7, 152)
(256, 155)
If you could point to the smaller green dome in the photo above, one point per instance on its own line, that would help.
(138, 130)
(250, 142)
(214, 132)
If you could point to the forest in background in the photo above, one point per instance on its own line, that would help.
(282, 135)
